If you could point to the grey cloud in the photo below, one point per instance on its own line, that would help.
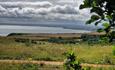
(51, 13)
(2, 9)
(29, 4)
(66, 12)
(44, 9)
(66, 9)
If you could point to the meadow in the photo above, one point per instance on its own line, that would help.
(48, 51)
(6, 66)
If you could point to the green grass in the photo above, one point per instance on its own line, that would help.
(99, 68)
(97, 53)
(9, 49)
(6, 66)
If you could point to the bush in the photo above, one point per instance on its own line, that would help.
(71, 63)
(104, 40)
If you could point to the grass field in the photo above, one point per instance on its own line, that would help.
(6, 66)
(86, 53)
(9, 49)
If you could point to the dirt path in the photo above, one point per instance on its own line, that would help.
(51, 63)
(32, 61)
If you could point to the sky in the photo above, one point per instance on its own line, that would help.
(48, 13)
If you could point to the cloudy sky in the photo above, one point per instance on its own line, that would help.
(50, 13)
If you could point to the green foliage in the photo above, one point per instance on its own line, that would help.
(62, 41)
(87, 4)
(100, 30)
(95, 39)
(93, 19)
(103, 40)
(71, 63)
(113, 50)
(104, 12)
(106, 25)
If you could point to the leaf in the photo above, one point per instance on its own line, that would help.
(95, 17)
(97, 10)
(87, 4)
(82, 6)
(100, 30)
(106, 25)
(94, 4)
(109, 17)
(89, 21)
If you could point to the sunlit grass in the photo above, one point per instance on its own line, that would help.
(55, 52)
(96, 53)
(11, 66)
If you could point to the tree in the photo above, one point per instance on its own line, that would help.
(104, 13)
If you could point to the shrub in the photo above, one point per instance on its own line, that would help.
(104, 40)
(71, 63)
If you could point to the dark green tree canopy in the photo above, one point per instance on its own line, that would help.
(104, 13)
